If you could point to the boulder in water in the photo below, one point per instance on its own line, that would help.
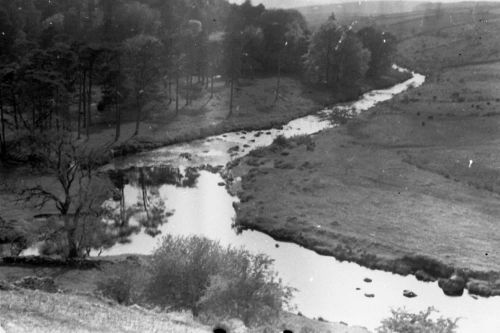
(233, 149)
(409, 294)
(480, 288)
(495, 292)
(367, 280)
(453, 286)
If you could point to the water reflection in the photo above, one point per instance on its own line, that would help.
(144, 211)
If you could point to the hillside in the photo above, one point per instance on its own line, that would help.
(33, 311)
(350, 11)
(27, 311)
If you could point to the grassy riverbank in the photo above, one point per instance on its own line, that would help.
(254, 108)
(410, 185)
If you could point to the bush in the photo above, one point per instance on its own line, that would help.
(405, 322)
(198, 274)
(247, 289)
(123, 285)
(281, 141)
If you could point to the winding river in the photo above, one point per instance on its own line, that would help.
(326, 287)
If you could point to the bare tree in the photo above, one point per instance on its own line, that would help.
(78, 192)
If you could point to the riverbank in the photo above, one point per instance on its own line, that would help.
(77, 307)
(254, 109)
(409, 187)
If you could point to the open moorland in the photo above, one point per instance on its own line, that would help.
(411, 186)
(417, 175)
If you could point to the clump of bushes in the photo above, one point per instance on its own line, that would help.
(212, 281)
(406, 322)
(123, 284)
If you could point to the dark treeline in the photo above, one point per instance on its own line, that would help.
(63, 61)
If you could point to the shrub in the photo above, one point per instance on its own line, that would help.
(281, 141)
(405, 322)
(123, 285)
(198, 274)
(246, 288)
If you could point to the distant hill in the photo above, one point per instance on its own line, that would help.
(390, 6)
(316, 15)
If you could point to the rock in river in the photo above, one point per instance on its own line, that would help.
(453, 286)
(367, 280)
(480, 288)
(409, 294)
(370, 295)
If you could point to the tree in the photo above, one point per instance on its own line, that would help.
(281, 26)
(320, 60)
(233, 46)
(7, 33)
(214, 57)
(352, 60)
(142, 55)
(382, 46)
(112, 82)
(77, 194)
(336, 57)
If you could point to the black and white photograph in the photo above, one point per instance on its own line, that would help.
(249, 166)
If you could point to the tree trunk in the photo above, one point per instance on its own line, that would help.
(3, 144)
(231, 98)
(187, 90)
(212, 87)
(118, 120)
(169, 91)
(277, 95)
(84, 99)
(14, 107)
(79, 124)
(70, 226)
(33, 116)
(138, 114)
(89, 101)
(177, 94)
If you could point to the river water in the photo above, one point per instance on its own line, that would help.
(326, 287)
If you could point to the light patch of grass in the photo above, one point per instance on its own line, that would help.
(33, 311)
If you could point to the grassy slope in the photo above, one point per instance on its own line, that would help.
(397, 181)
(77, 310)
(32, 311)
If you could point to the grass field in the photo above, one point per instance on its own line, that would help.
(417, 175)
